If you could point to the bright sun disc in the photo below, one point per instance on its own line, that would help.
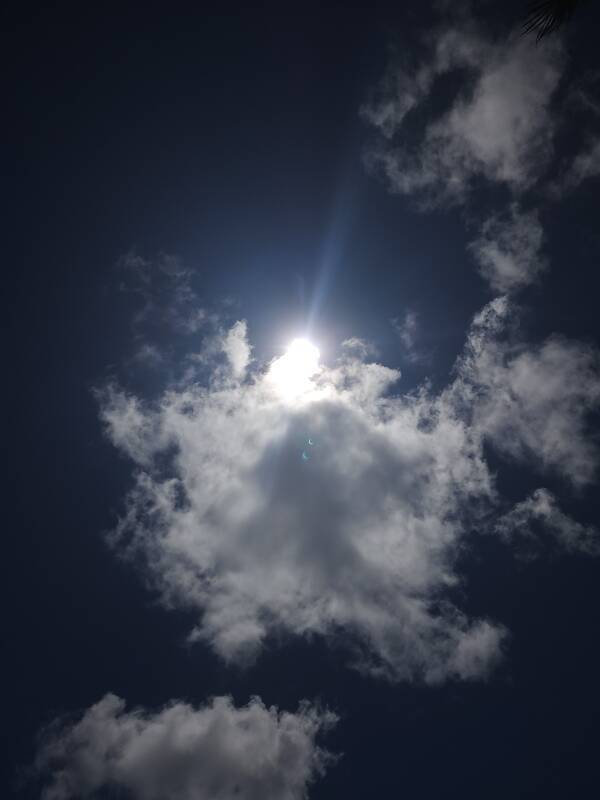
(292, 373)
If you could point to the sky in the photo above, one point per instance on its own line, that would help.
(303, 380)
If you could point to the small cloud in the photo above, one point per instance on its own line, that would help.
(180, 752)
(532, 403)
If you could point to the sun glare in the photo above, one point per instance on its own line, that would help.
(291, 374)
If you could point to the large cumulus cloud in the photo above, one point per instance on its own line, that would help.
(341, 508)
(336, 510)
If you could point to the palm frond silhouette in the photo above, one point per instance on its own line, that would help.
(547, 16)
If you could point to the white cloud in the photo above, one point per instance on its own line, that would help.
(532, 403)
(185, 753)
(499, 125)
(508, 249)
(540, 514)
(337, 511)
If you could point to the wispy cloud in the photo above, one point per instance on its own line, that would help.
(165, 290)
(583, 99)
(407, 330)
(164, 303)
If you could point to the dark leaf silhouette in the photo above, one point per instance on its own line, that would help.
(546, 16)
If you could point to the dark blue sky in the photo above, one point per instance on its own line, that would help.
(232, 139)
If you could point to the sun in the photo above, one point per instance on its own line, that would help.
(292, 373)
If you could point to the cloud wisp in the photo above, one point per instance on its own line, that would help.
(539, 518)
(165, 290)
(183, 753)
(585, 165)
(407, 328)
